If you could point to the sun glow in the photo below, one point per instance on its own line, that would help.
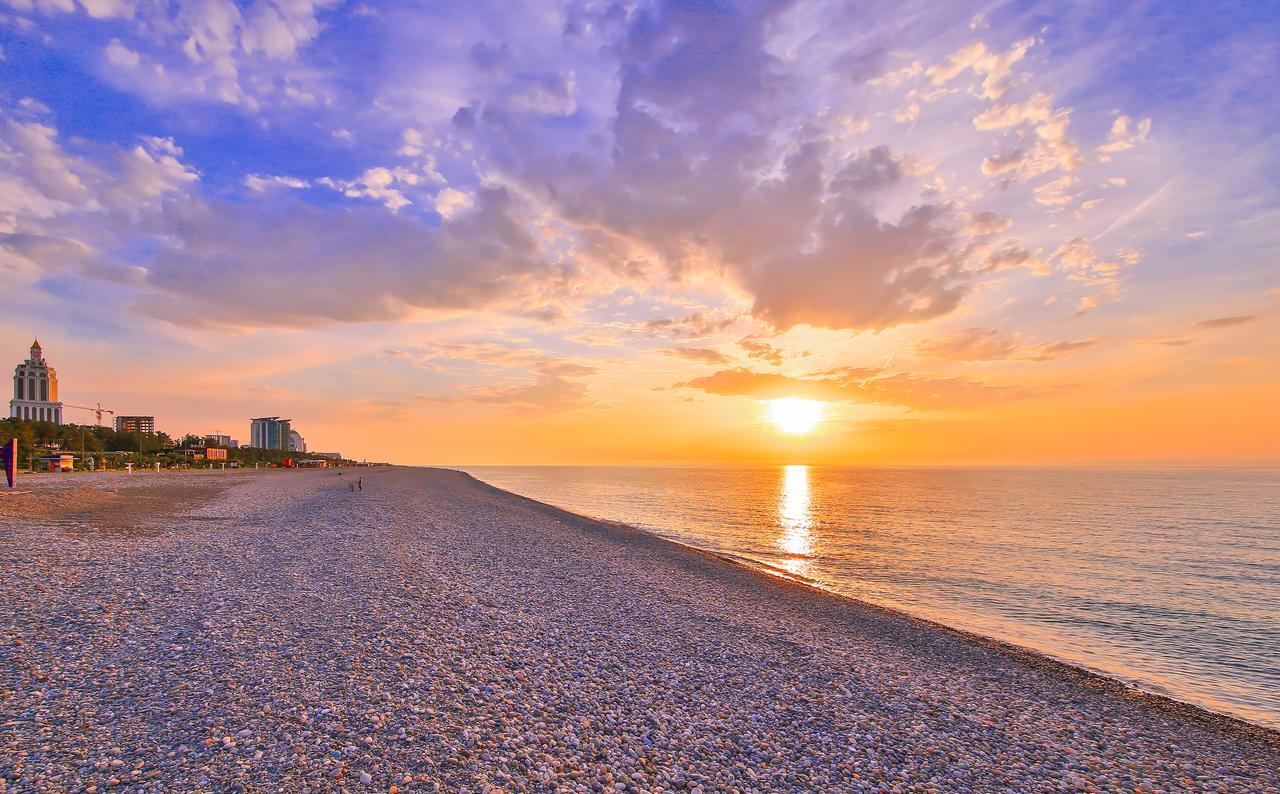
(795, 415)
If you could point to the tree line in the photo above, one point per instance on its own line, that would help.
(36, 438)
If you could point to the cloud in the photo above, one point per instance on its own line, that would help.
(862, 273)
(989, 344)
(1053, 149)
(695, 324)
(493, 356)
(1011, 256)
(121, 56)
(868, 171)
(704, 355)
(702, 178)
(259, 183)
(379, 183)
(290, 263)
(553, 387)
(971, 344)
(994, 67)
(761, 350)
(1004, 162)
(43, 6)
(1038, 109)
(685, 150)
(986, 223)
(1054, 194)
(220, 50)
(1051, 350)
(1125, 134)
(1223, 322)
(854, 385)
(450, 202)
(106, 9)
(44, 180)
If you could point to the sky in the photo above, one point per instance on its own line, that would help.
(598, 232)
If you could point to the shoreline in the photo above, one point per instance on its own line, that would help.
(1093, 679)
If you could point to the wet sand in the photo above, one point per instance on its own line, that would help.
(275, 631)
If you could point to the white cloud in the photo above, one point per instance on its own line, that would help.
(259, 183)
(414, 143)
(106, 9)
(1054, 194)
(376, 183)
(117, 54)
(1125, 134)
(43, 6)
(450, 202)
(1035, 110)
(995, 67)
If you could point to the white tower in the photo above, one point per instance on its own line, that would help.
(35, 390)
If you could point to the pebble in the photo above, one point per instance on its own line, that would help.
(441, 635)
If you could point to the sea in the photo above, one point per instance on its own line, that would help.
(1168, 580)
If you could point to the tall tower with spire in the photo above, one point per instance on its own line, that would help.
(35, 389)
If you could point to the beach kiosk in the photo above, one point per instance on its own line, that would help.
(60, 461)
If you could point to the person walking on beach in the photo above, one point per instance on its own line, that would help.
(360, 483)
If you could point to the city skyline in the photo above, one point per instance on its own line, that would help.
(1006, 233)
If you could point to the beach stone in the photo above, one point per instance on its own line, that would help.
(266, 631)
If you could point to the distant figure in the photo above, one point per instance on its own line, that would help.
(351, 487)
(360, 483)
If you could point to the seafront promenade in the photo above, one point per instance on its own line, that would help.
(268, 631)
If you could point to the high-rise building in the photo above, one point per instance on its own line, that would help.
(136, 424)
(218, 440)
(35, 389)
(269, 432)
(296, 442)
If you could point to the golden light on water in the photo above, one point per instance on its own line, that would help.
(795, 518)
(795, 415)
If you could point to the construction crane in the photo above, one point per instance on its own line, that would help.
(98, 411)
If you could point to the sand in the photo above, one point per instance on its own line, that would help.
(265, 631)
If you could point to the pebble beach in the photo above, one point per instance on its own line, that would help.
(279, 631)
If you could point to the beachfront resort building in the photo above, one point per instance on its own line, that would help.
(269, 432)
(35, 389)
(136, 424)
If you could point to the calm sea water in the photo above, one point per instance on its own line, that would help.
(1166, 579)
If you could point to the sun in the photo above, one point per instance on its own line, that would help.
(795, 415)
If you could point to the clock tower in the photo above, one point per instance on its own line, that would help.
(35, 389)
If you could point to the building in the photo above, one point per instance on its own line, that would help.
(296, 442)
(269, 432)
(35, 389)
(213, 453)
(219, 440)
(327, 455)
(136, 424)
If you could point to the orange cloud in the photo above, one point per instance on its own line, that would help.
(1223, 322)
(852, 384)
(703, 354)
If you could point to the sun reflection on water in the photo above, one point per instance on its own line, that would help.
(795, 519)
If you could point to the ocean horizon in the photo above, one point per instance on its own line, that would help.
(1167, 579)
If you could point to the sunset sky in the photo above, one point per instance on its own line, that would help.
(585, 232)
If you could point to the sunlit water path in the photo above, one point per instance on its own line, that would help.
(1167, 579)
